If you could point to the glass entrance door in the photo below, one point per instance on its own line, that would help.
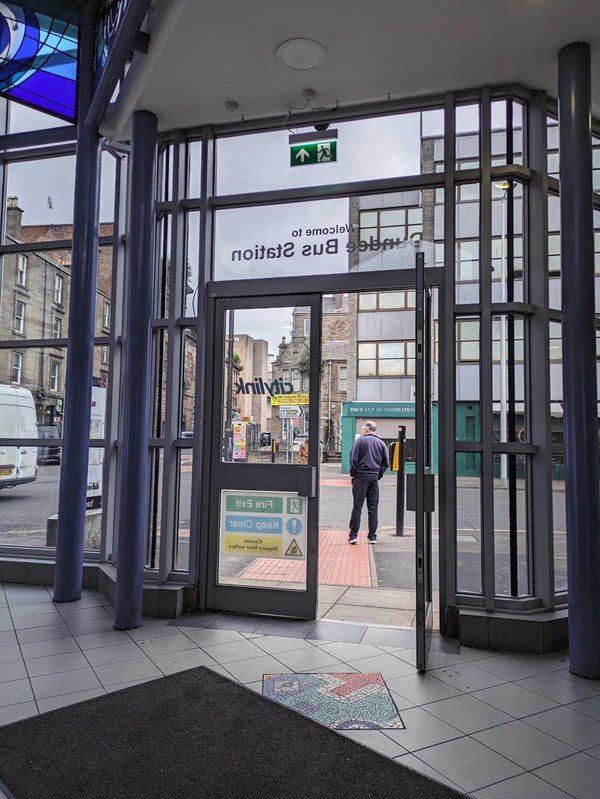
(265, 446)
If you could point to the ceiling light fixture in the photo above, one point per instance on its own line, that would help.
(232, 107)
(301, 54)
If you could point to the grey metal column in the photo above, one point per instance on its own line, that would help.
(579, 359)
(136, 393)
(80, 351)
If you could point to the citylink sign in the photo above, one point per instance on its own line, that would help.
(258, 386)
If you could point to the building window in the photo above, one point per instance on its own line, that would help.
(467, 261)
(398, 224)
(497, 339)
(17, 368)
(467, 341)
(22, 270)
(104, 355)
(56, 327)
(54, 376)
(58, 289)
(386, 300)
(306, 324)
(556, 341)
(342, 378)
(106, 316)
(20, 317)
(386, 359)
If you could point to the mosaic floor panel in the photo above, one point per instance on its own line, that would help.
(358, 701)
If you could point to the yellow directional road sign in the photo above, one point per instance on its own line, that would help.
(289, 399)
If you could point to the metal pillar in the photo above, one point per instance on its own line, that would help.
(136, 393)
(579, 360)
(80, 351)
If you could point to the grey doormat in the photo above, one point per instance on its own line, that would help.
(194, 734)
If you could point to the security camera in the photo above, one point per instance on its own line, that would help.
(321, 126)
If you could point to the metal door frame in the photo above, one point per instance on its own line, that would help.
(290, 288)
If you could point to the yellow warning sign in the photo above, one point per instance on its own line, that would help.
(253, 545)
(293, 549)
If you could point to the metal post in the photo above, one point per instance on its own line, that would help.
(400, 480)
(579, 360)
(134, 456)
(68, 575)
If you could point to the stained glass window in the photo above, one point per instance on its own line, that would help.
(38, 60)
(110, 14)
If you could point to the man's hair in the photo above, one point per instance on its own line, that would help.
(370, 426)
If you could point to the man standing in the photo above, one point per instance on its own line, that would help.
(368, 462)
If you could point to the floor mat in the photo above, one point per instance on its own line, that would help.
(353, 701)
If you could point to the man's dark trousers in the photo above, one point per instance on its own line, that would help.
(364, 486)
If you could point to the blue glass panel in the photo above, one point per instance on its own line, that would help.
(110, 14)
(38, 60)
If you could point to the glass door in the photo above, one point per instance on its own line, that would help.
(263, 517)
(424, 477)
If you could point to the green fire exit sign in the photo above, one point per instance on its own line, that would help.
(321, 152)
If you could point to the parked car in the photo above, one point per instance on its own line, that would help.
(17, 420)
(52, 452)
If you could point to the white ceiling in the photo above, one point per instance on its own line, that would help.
(204, 53)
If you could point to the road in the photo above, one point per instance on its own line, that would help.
(24, 511)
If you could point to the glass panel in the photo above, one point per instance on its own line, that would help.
(44, 192)
(468, 523)
(192, 262)
(182, 542)
(163, 273)
(467, 136)
(559, 523)
(159, 350)
(23, 119)
(188, 383)
(152, 548)
(194, 166)
(467, 246)
(39, 370)
(554, 290)
(265, 408)
(508, 376)
(510, 514)
(325, 236)
(261, 161)
(262, 541)
(468, 367)
(553, 144)
(29, 515)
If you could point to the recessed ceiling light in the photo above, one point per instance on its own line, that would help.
(301, 54)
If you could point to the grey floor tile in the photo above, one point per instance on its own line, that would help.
(403, 639)
(591, 707)
(574, 729)
(172, 662)
(204, 637)
(52, 664)
(296, 629)
(12, 713)
(347, 651)
(154, 628)
(469, 764)
(524, 745)
(467, 676)
(121, 685)
(52, 646)
(88, 600)
(510, 668)
(42, 633)
(90, 626)
(413, 762)
(332, 631)
(272, 644)
(126, 671)
(95, 640)
(230, 652)
(166, 644)
(595, 684)
(578, 775)
(6, 624)
(246, 671)
(422, 730)
(375, 739)
(66, 682)
(39, 620)
(389, 666)
(303, 660)
(594, 752)
(10, 652)
(514, 699)
(39, 609)
(238, 623)
(557, 688)
(467, 714)
(15, 692)
(54, 702)
(84, 614)
(114, 654)
(553, 661)
(14, 670)
(8, 638)
(525, 786)
(422, 688)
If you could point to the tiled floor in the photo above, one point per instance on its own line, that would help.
(495, 725)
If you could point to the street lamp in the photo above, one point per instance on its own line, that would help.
(504, 186)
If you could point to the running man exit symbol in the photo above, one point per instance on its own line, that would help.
(324, 152)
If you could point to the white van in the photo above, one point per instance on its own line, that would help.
(17, 420)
